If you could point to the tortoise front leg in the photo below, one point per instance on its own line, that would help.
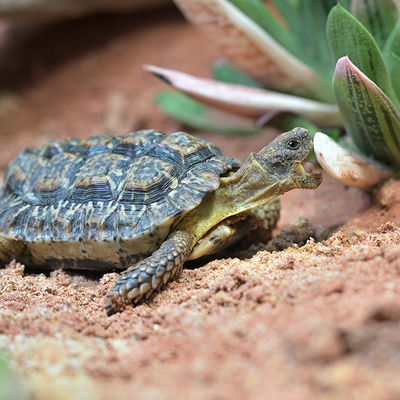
(10, 248)
(143, 278)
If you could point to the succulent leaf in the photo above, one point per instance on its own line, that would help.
(260, 14)
(288, 11)
(392, 43)
(196, 115)
(346, 166)
(378, 17)
(282, 33)
(313, 15)
(253, 50)
(225, 72)
(393, 64)
(243, 100)
(281, 43)
(348, 37)
(369, 116)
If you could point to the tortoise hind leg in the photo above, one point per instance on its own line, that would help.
(143, 278)
(10, 248)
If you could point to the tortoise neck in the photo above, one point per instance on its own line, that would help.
(247, 188)
(251, 186)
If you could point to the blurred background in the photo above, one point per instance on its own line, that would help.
(72, 68)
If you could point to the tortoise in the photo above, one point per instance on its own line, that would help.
(145, 202)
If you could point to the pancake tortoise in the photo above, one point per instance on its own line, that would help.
(145, 202)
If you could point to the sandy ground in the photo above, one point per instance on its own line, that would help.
(314, 322)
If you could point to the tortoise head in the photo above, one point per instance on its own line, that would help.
(274, 170)
(282, 160)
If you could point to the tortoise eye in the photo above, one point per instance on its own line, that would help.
(293, 144)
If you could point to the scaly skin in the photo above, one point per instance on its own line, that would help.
(149, 274)
(264, 176)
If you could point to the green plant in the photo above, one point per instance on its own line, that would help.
(276, 69)
(292, 46)
(10, 386)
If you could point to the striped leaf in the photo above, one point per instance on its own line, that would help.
(379, 17)
(369, 116)
(348, 37)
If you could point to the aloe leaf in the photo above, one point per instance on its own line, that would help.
(259, 13)
(378, 17)
(254, 51)
(196, 115)
(345, 4)
(347, 37)
(346, 166)
(393, 63)
(225, 72)
(369, 116)
(288, 10)
(313, 15)
(243, 100)
(391, 53)
(392, 44)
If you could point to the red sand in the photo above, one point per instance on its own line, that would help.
(317, 322)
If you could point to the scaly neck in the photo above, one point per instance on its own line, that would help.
(247, 188)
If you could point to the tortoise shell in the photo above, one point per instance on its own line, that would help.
(107, 201)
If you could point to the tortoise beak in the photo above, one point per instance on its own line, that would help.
(308, 179)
